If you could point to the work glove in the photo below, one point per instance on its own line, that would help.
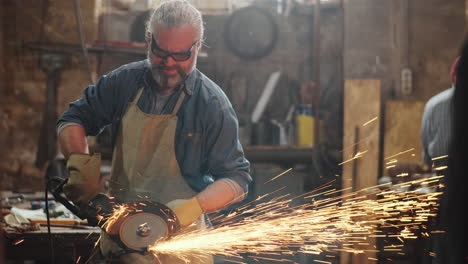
(186, 211)
(83, 181)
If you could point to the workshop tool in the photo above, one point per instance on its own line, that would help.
(265, 97)
(144, 222)
(251, 32)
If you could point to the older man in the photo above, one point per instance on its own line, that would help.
(174, 131)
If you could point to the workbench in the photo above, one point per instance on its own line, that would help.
(71, 244)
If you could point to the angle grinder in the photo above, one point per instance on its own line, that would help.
(140, 223)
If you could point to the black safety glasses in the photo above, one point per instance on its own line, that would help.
(177, 56)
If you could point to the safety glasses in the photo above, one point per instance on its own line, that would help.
(177, 56)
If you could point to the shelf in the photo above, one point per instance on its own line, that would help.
(278, 154)
(273, 154)
(76, 49)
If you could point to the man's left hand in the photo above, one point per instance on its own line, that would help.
(186, 211)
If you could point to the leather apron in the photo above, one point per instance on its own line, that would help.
(144, 164)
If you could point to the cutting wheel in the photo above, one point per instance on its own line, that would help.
(150, 223)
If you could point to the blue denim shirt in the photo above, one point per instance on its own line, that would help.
(207, 144)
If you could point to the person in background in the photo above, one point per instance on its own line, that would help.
(445, 118)
(174, 132)
(437, 133)
(436, 127)
(436, 136)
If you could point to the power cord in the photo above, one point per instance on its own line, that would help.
(51, 240)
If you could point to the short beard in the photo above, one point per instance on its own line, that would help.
(166, 83)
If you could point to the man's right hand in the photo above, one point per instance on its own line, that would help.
(84, 177)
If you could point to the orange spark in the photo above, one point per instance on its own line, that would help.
(370, 121)
(441, 168)
(19, 241)
(334, 224)
(279, 175)
(120, 212)
(440, 157)
(399, 153)
(357, 156)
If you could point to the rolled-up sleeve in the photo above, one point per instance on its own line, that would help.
(96, 108)
(225, 154)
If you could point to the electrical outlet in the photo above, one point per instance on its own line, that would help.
(406, 81)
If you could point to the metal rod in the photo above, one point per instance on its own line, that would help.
(82, 38)
(357, 138)
(316, 103)
(405, 33)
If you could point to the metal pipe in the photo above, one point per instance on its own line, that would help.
(316, 103)
(279, 155)
(79, 27)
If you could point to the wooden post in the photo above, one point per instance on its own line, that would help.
(316, 103)
(362, 114)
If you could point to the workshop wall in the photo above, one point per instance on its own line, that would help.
(391, 35)
(23, 83)
(436, 35)
(243, 80)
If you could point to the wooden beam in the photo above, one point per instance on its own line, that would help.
(361, 141)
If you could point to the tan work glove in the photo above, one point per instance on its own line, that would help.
(186, 211)
(84, 177)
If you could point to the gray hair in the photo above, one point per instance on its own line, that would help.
(176, 13)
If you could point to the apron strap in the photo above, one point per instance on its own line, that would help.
(140, 91)
(179, 102)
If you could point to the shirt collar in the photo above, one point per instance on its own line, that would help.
(188, 85)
